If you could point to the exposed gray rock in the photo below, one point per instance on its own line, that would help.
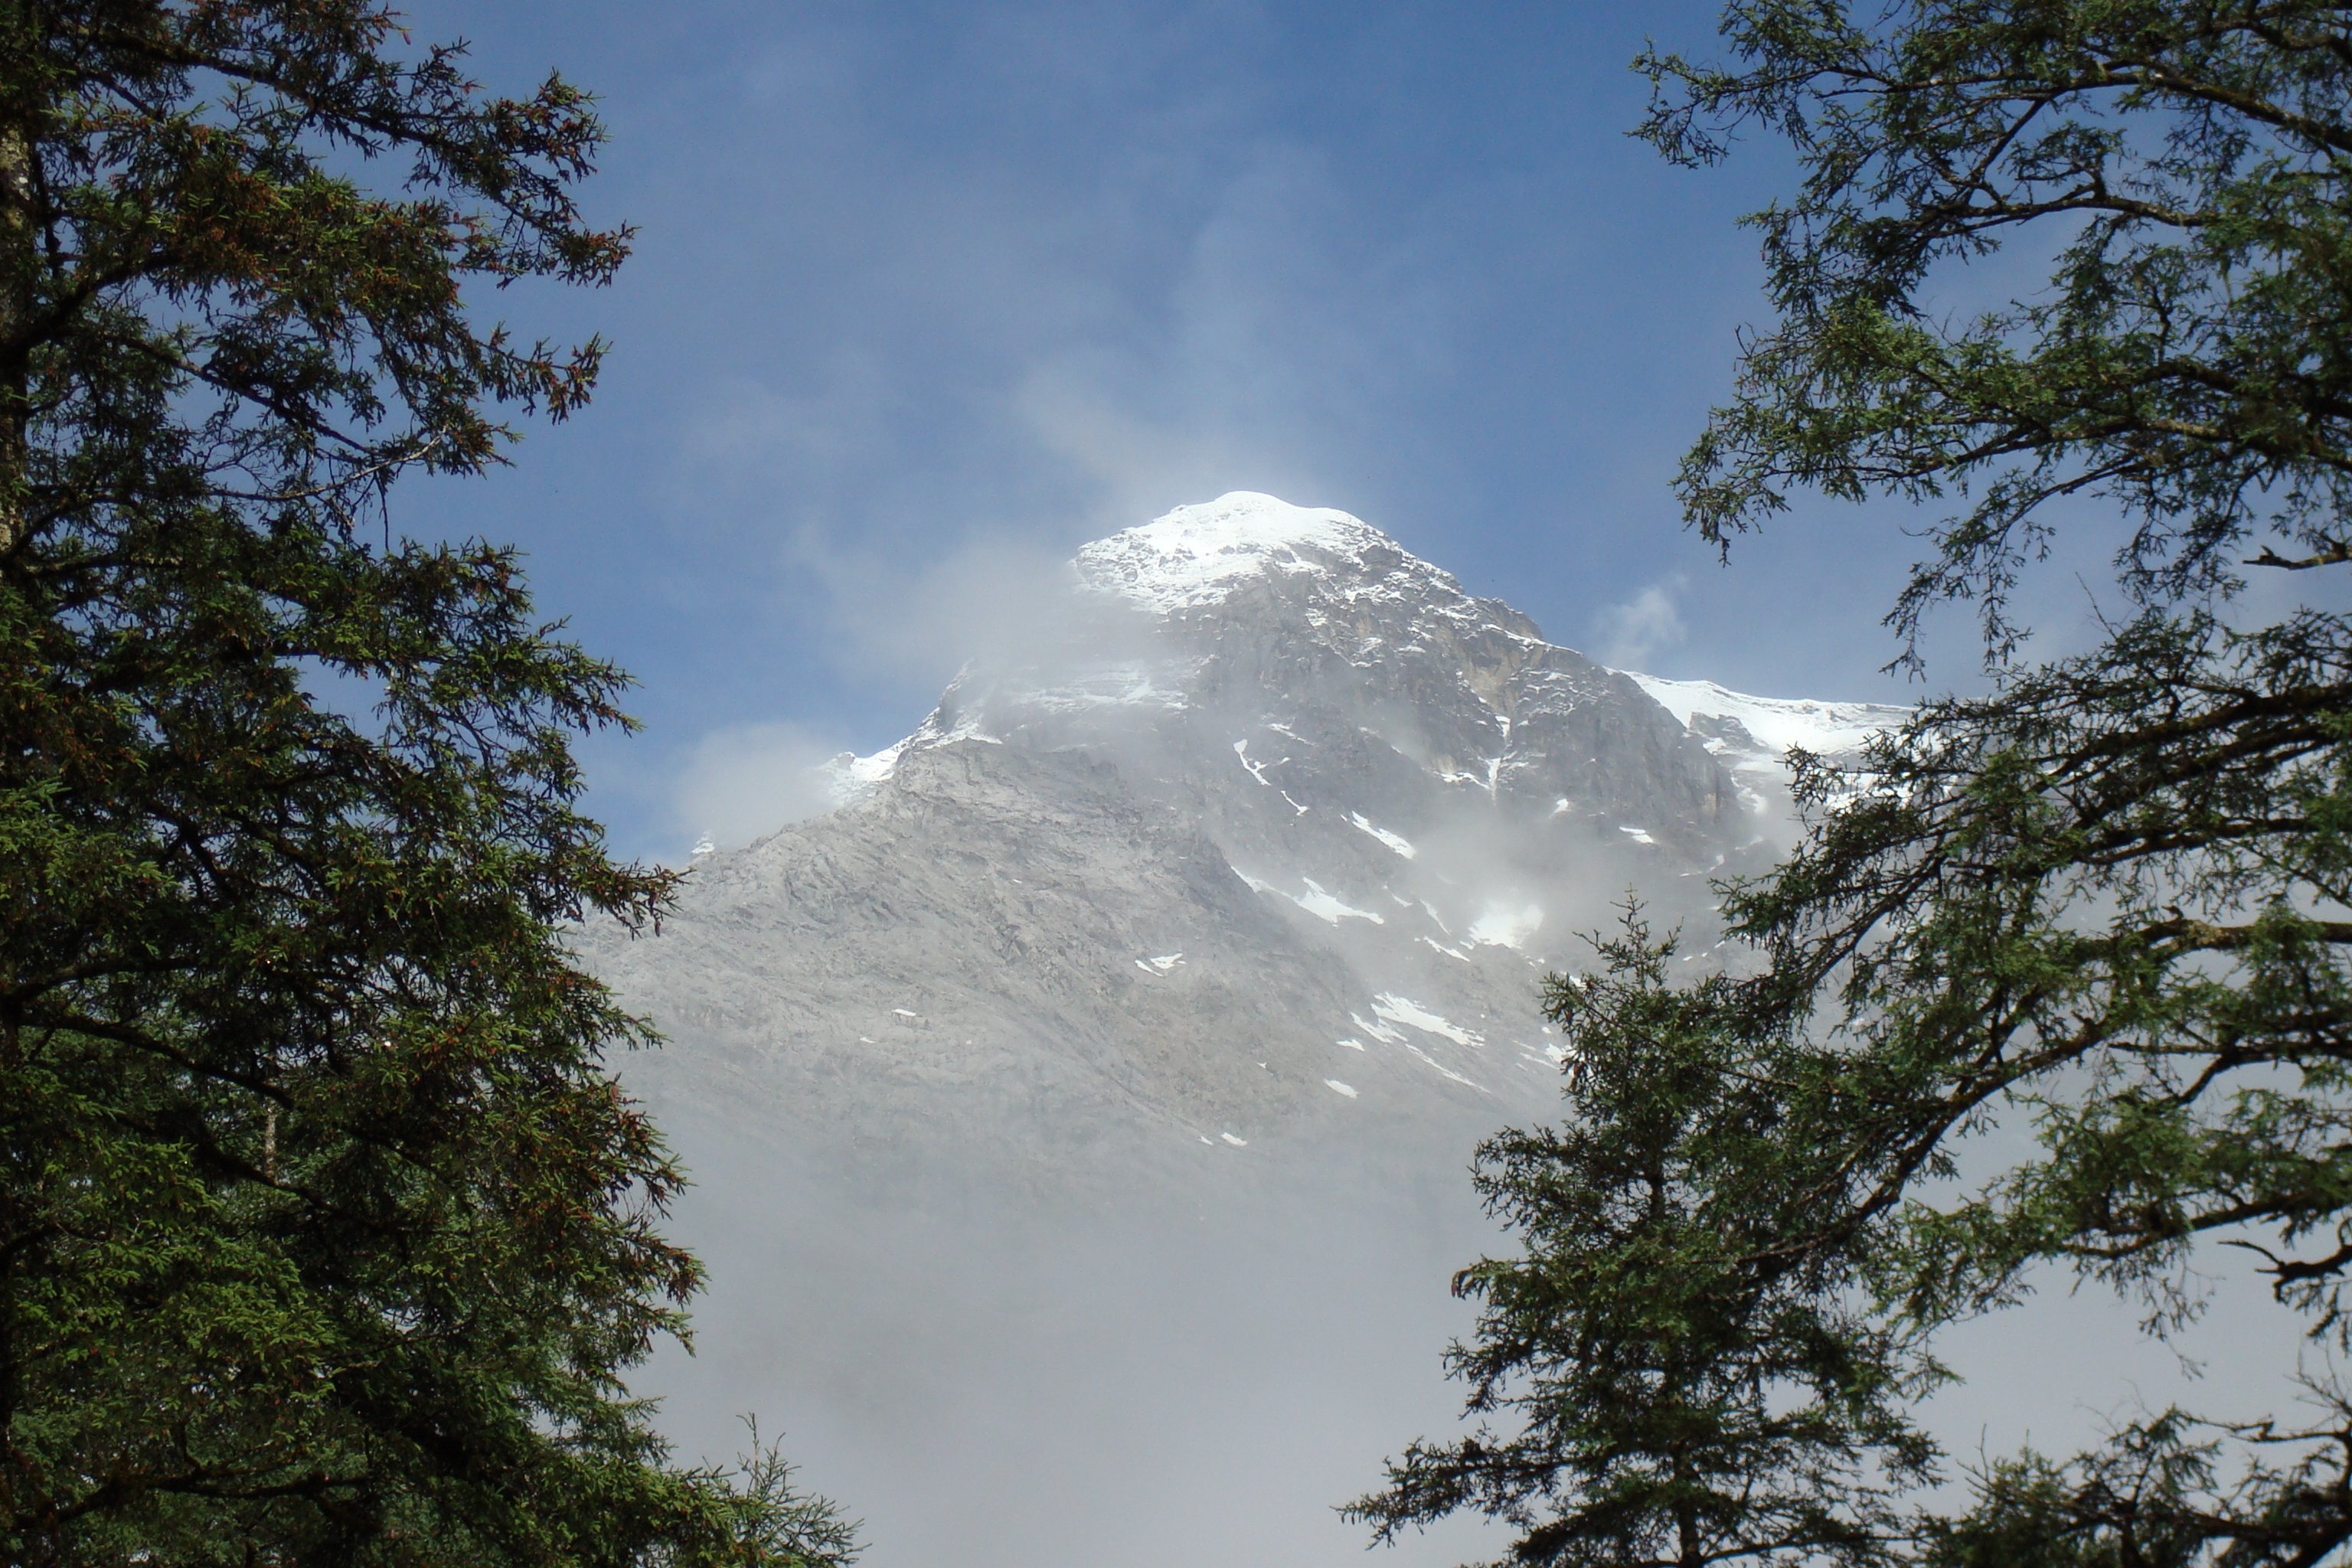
(1268, 845)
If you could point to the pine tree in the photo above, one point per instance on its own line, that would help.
(325, 1234)
(2109, 902)
(1684, 1392)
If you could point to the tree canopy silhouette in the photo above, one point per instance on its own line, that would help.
(325, 1234)
(2109, 902)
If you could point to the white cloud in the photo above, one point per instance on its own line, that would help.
(748, 780)
(1631, 635)
(1258, 363)
(996, 598)
(1089, 391)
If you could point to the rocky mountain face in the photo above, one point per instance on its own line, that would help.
(1080, 1107)
(1267, 843)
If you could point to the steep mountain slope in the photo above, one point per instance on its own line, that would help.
(1266, 844)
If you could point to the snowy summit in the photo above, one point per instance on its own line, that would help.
(1352, 597)
(1196, 554)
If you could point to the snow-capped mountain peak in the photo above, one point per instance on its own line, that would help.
(1197, 555)
(1256, 606)
(1285, 798)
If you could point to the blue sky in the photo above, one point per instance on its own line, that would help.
(926, 295)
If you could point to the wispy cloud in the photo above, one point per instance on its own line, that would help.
(744, 782)
(1031, 354)
(1631, 635)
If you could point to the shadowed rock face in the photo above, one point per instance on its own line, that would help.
(1266, 846)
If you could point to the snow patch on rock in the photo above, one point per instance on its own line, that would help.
(1827, 729)
(1325, 906)
(1392, 1009)
(1395, 841)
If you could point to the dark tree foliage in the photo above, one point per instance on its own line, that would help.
(325, 1235)
(2108, 904)
(1678, 1381)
